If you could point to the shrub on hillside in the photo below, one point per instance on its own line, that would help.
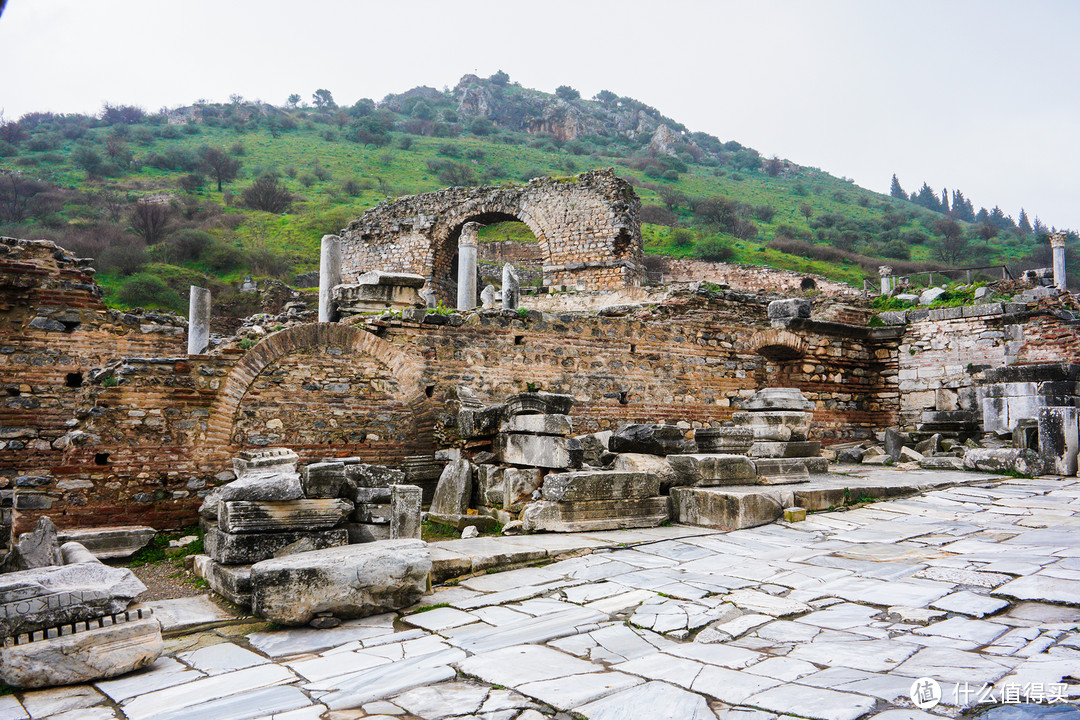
(187, 245)
(224, 258)
(714, 249)
(268, 194)
(451, 173)
(146, 290)
(656, 215)
(123, 259)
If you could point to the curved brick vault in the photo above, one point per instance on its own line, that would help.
(404, 369)
(777, 344)
(587, 227)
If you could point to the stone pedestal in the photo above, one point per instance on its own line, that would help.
(779, 419)
(329, 275)
(1057, 244)
(377, 291)
(405, 512)
(511, 288)
(466, 289)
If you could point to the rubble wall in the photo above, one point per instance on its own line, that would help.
(941, 357)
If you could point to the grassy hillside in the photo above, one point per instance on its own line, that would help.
(138, 192)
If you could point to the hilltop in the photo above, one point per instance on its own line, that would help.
(209, 193)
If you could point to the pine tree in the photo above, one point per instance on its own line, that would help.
(927, 198)
(962, 208)
(895, 190)
(945, 201)
(1038, 228)
(1024, 224)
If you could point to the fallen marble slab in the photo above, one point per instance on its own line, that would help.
(590, 515)
(107, 543)
(351, 581)
(266, 517)
(248, 548)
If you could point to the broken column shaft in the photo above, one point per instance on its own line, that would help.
(1057, 242)
(198, 338)
(466, 289)
(329, 275)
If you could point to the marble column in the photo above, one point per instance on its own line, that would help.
(329, 275)
(466, 284)
(198, 338)
(1057, 242)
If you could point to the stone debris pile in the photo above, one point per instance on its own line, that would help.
(72, 619)
(780, 420)
(376, 291)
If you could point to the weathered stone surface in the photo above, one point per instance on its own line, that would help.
(488, 485)
(700, 469)
(585, 485)
(724, 440)
(52, 596)
(595, 515)
(247, 548)
(380, 277)
(649, 439)
(488, 297)
(791, 449)
(1025, 462)
(794, 514)
(728, 510)
(323, 480)
(930, 295)
(777, 399)
(789, 308)
(480, 422)
(362, 475)
(110, 542)
(260, 517)
(454, 489)
(944, 462)
(850, 456)
(894, 441)
(538, 403)
(354, 298)
(653, 464)
(351, 581)
(594, 447)
(511, 288)
(232, 582)
(539, 451)
(775, 425)
(38, 548)
(405, 511)
(519, 486)
(781, 471)
(1059, 439)
(266, 476)
(83, 656)
(538, 425)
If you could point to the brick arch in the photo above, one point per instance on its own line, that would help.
(406, 370)
(778, 344)
(588, 228)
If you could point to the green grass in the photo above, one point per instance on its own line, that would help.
(158, 551)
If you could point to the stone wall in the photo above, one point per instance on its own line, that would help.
(754, 278)
(586, 226)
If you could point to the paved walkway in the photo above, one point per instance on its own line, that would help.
(974, 587)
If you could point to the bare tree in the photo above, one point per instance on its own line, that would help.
(269, 194)
(221, 165)
(151, 221)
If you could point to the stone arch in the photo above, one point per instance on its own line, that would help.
(587, 226)
(238, 383)
(778, 344)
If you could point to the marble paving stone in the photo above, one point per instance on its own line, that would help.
(904, 714)
(581, 594)
(164, 673)
(311, 712)
(379, 683)
(506, 596)
(730, 686)
(621, 602)
(335, 665)
(98, 712)
(504, 699)
(976, 631)
(1042, 589)
(813, 702)
(567, 692)
(664, 615)
(969, 603)
(535, 630)
(43, 703)
(498, 615)
(12, 709)
(783, 668)
(184, 613)
(869, 655)
(964, 577)
(675, 550)
(841, 616)
(912, 593)
(610, 644)
(510, 579)
(956, 666)
(835, 677)
(223, 657)
(439, 618)
(272, 701)
(520, 664)
(787, 631)
(417, 647)
(890, 688)
(433, 702)
(304, 640)
(723, 631)
(661, 666)
(760, 602)
(206, 689)
(728, 656)
(650, 700)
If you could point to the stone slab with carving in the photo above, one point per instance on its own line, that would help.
(244, 549)
(707, 469)
(724, 440)
(585, 485)
(107, 543)
(650, 439)
(595, 514)
(351, 581)
(775, 425)
(264, 517)
(85, 656)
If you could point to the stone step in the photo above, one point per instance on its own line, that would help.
(712, 469)
(780, 471)
(595, 514)
(247, 548)
(251, 517)
(791, 449)
(778, 425)
(585, 485)
(232, 582)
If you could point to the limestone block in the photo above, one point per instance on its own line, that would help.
(85, 656)
(724, 440)
(106, 543)
(582, 485)
(894, 440)
(777, 425)
(539, 451)
(941, 462)
(791, 449)
(931, 294)
(489, 486)
(850, 456)
(260, 517)
(1059, 439)
(247, 548)
(595, 515)
(794, 514)
(351, 581)
(367, 532)
(373, 513)
(454, 489)
(649, 439)
(539, 403)
(62, 594)
(405, 511)
(782, 471)
(708, 469)
(654, 464)
(362, 475)
(909, 455)
(38, 548)
(1025, 462)
(519, 484)
(323, 480)
(789, 308)
(595, 447)
(488, 297)
(380, 277)
(538, 425)
(777, 399)
(267, 483)
(480, 422)
(232, 582)
(728, 510)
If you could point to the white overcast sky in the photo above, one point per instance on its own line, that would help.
(980, 95)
